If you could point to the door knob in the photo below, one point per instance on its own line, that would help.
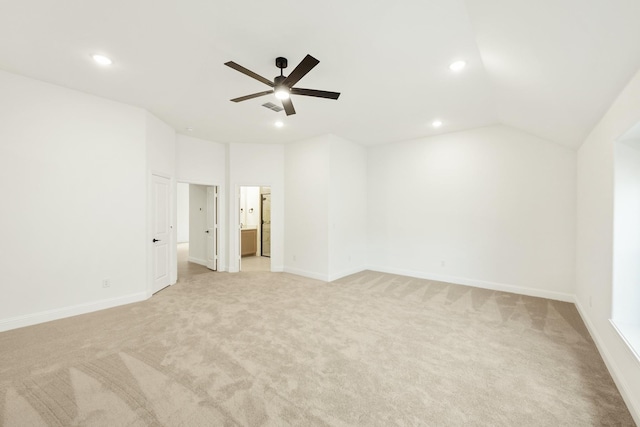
(155, 240)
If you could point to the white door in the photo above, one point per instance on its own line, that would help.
(161, 232)
(266, 225)
(240, 208)
(212, 228)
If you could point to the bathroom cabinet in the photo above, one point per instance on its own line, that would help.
(249, 241)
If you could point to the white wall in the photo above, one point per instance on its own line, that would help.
(594, 260)
(72, 176)
(626, 250)
(325, 208)
(182, 213)
(306, 208)
(347, 208)
(256, 165)
(161, 147)
(161, 155)
(199, 161)
(491, 207)
(197, 224)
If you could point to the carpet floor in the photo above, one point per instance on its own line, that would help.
(371, 349)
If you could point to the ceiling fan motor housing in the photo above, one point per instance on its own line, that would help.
(281, 62)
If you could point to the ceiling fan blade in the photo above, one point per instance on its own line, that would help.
(288, 106)
(253, 95)
(248, 73)
(316, 93)
(301, 70)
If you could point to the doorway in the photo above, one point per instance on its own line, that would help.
(197, 229)
(255, 228)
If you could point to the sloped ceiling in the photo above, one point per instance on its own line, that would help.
(550, 68)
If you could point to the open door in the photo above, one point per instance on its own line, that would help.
(238, 201)
(265, 247)
(212, 228)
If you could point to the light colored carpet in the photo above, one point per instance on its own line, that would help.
(276, 349)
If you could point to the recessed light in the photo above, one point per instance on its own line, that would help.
(279, 124)
(189, 129)
(102, 60)
(436, 123)
(457, 66)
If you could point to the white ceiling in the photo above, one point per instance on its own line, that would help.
(548, 67)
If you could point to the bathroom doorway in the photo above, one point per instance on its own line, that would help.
(255, 228)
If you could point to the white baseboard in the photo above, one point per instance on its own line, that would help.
(629, 335)
(319, 276)
(277, 269)
(540, 293)
(345, 273)
(74, 310)
(305, 273)
(614, 370)
(198, 261)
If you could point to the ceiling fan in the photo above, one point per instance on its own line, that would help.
(283, 85)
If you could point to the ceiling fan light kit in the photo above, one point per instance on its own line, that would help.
(283, 85)
(282, 92)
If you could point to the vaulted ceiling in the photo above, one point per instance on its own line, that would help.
(548, 67)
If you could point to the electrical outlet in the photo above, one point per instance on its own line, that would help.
(442, 263)
(106, 283)
(294, 258)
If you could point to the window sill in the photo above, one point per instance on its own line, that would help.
(630, 334)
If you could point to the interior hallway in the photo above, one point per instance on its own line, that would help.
(186, 269)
